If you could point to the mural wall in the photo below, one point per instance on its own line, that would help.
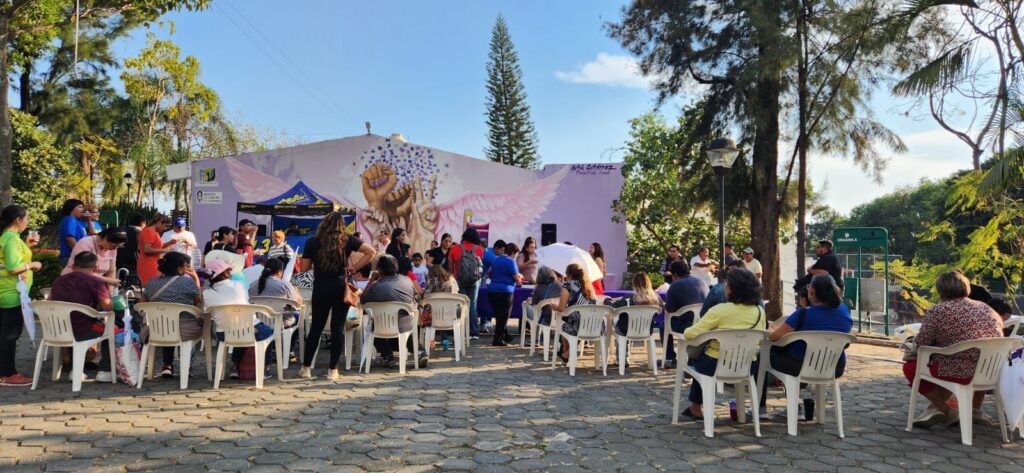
(426, 191)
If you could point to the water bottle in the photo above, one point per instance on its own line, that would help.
(445, 344)
(732, 410)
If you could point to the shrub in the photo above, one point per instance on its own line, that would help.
(45, 277)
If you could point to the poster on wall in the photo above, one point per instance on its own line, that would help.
(482, 229)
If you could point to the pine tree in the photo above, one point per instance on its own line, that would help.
(511, 138)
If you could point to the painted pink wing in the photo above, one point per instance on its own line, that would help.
(253, 185)
(510, 213)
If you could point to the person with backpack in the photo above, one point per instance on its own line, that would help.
(465, 262)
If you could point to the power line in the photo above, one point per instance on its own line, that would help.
(311, 94)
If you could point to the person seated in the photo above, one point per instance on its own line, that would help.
(549, 286)
(387, 285)
(438, 281)
(685, 290)
(576, 290)
(826, 312)
(176, 285)
(272, 284)
(420, 269)
(405, 268)
(81, 286)
(742, 311)
(955, 319)
(222, 291)
(279, 247)
(1004, 311)
(643, 294)
(716, 295)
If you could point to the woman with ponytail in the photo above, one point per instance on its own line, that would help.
(272, 284)
(104, 245)
(15, 263)
(826, 313)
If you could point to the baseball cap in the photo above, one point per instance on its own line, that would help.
(748, 250)
(180, 222)
(217, 266)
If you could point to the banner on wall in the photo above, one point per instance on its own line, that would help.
(305, 228)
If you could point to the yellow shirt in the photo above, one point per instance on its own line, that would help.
(727, 316)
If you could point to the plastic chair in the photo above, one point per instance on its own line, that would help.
(287, 334)
(824, 349)
(736, 352)
(55, 320)
(534, 322)
(445, 315)
(384, 316)
(638, 330)
(1013, 323)
(593, 323)
(465, 313)
(991, 360)
(164, 324)
(677, 336)
(239, 332)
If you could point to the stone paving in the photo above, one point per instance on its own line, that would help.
(498, 410)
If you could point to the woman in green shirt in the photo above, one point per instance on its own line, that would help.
(15, 263)
(742, 311)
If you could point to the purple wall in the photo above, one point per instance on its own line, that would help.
(515, 202)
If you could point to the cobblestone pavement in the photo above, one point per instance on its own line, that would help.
(500, 410)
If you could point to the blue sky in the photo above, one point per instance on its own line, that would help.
(318, 69)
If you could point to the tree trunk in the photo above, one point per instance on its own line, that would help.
(802, 144)
(764, 206)
(25, 84)
(6, 131)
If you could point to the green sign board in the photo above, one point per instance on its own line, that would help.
(860, 237)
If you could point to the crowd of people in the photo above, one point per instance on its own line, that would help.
(343, 270)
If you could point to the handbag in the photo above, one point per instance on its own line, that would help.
(351, 294)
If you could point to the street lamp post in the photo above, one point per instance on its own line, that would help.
(722, 154)
(128, 182)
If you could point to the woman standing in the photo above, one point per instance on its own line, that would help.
(72, 228)
(527, 261)
(598, 254)
(576, 290)
(16, 261)
(152, 247)
(396, 247)
(327, 254)
(504, 279)
(104, 245)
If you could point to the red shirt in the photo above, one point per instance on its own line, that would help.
(84, 289)
(148, 263)
(455, 256)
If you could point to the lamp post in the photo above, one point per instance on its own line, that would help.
(722, 154)
(128, 182)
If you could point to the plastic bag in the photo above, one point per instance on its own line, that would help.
(1011, 389)
(128, 351)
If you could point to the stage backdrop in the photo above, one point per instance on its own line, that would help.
(427, 191)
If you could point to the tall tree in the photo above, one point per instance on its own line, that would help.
(511, 138)
(743, 63)
(31, 25)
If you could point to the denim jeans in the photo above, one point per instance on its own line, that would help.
(474, 318)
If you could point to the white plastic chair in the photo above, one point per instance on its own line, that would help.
(465, 313)
(638, 330)
(824, 349)
(280, 303)
(384, 316)
(1013, 323)
(445, 315)
(991, 360)
(55, 320)
(737, 349)
(677, 336)
(239, 332)
(534, 322)
(593, 323)
(305, 314)
(164, 322)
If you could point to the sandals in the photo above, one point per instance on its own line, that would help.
(690, 415)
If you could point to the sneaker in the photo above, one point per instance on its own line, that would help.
(16, 380)
(104, 377)
(782, 413)
(762, 413)
(474, 337)
(423, 360)
(980, 418)
(233, 374)
(332, 375)
(305, 373)
(931, 416)
(167, 372)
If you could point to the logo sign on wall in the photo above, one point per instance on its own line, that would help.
(209, 197)
(207, 177)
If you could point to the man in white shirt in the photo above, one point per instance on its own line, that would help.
(702, 266)
(752, 263)
(186, 240)
(381, 242)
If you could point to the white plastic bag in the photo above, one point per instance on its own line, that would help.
(128, 353)
(26, 311)
(1011, 388)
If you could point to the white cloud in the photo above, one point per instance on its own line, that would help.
(610, 70)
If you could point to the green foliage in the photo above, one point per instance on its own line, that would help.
(910, 214)
(910, 278)
(42, 173)
(47, 275)
(511, 138)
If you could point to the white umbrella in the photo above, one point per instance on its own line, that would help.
(559, 256)
(236, 261)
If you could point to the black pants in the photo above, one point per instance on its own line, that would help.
(11, 323)
(502, 304)
(679, 324)
(785, 363)
(94, 333)
(328, 302)
(388, 346)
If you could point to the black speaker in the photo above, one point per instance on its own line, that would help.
(548, 234)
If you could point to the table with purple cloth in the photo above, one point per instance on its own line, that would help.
(522, 294)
